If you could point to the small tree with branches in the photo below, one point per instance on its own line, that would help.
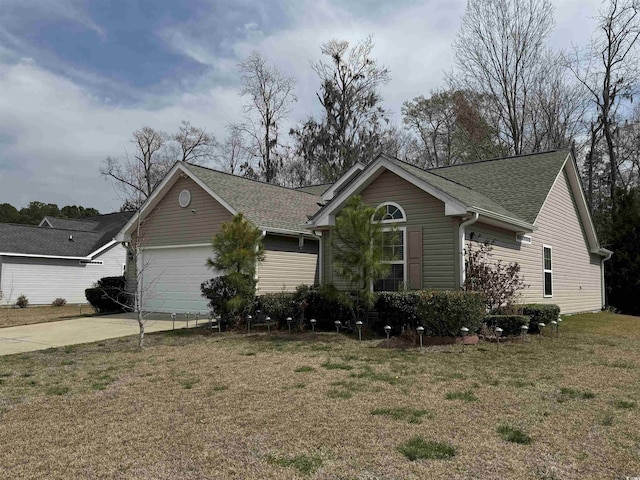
(500, 283)
(237, 249)
(358, 249)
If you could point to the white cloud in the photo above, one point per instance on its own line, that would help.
(56, 128)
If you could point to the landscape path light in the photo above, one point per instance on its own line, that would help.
(420, 331)
(338, 324)
(249, 318)
(524, 330)
(173, 319)
(554, 326)
(387, 330)
(559, 321)
(313, 324)
(498, 333)
(186, 315)
(197, 317)
(359, 325)
(464, 331)
(540, 327)
(268, 320)
(289, 321)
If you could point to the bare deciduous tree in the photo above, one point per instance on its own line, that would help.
(270, 95)
(137, 174)
(499, 55)
(232, 153)
(609, 72)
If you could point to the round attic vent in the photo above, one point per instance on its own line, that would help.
(184, 199)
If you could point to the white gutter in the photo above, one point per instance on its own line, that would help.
(602, 286)
(461, 235)
(30, 255)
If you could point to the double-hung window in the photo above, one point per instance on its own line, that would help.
(393, 247)
(547, 271)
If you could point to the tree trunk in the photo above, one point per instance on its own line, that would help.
(141, 333)
(612, 166)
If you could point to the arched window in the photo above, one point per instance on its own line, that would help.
(389, 212)
(393, 245)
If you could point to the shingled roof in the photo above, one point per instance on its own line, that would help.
(265, 205)
(89, 235)
(519, 184)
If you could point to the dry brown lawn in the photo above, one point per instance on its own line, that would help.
(11, 317)
(261, 406)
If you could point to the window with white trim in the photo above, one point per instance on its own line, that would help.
(547, 268)
(393, 251)
(389, 212)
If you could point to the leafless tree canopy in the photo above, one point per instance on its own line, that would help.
(499, 54)
(269, 94)
(154, 153)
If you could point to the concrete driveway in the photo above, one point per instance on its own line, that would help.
(40, 336)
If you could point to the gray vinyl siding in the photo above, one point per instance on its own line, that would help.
(287, 265)
(170, 224)
(576, 271)
(422, 210)
(42, 280)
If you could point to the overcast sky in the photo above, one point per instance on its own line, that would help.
(77, 77)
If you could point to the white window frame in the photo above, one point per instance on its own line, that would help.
(547, 270)
(391, 220)
(402, 262)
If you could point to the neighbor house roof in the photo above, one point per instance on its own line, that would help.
(87, 236)
(265, 205)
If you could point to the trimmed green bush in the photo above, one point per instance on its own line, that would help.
(326, 304)
(278, 306)
(231, 296)
(540, 313)
(397, 309)
(443, 313)
(510, 324)
(108, 295)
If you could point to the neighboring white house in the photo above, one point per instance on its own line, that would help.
(59, 258)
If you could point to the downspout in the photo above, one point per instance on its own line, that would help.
(602, 286)
(461, 235)
(320, 259)
(255, 275)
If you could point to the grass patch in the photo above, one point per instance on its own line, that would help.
(217, 388)
(606, 420)
(624, 404)
(465, 396)
(304, 369)
(410, 415)
(337, 366)
(58, 390)
(305, 464)
(514, 435)
(567, 393)
(370, 374)
(417, 448)
(189, 382)
(336, 393)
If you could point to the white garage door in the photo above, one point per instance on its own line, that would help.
(171, 279)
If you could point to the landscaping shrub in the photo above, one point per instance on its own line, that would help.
(443, 313)
(278, 306)
(510, 324)
(539, 312)
(22, 301)
(108, 295)
(397, 309)
(230, 296)
(59, 302)
(326, 304)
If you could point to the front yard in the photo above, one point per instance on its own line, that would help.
(327, 406)
(12, 317)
